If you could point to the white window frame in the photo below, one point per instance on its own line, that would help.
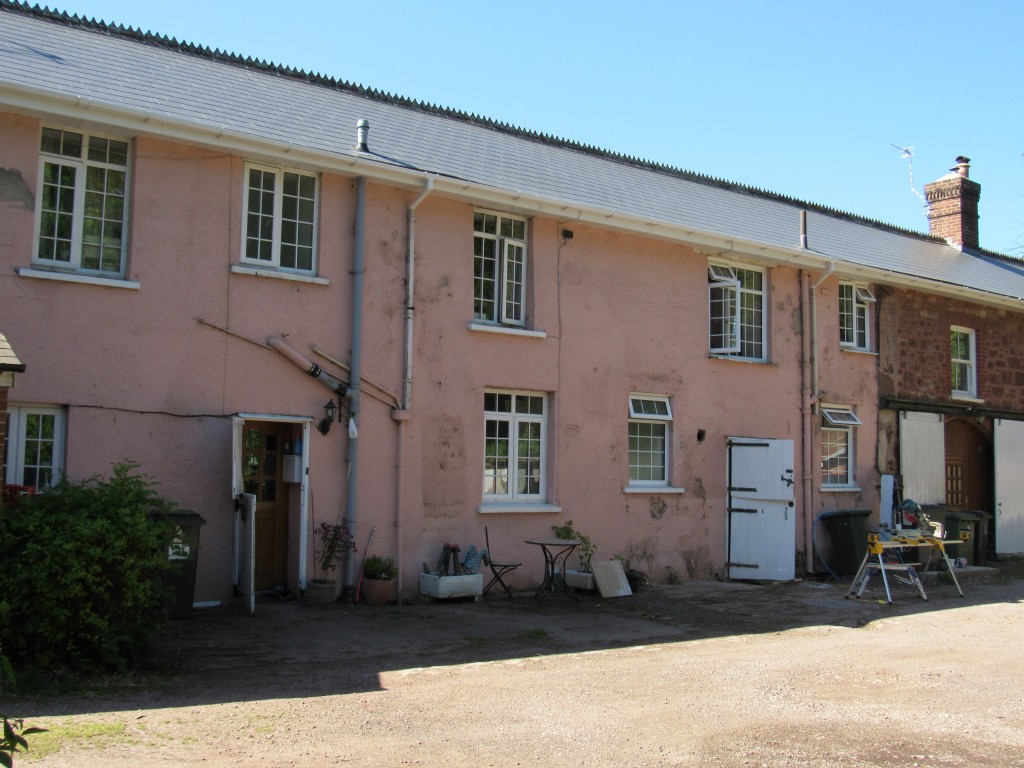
(838, 420)
(653, 411)
(968, 364)
(18, 417)
(510, 271)
(515, 419)
(727, 295)
(277, 217)
(75, 232)
(855, 333)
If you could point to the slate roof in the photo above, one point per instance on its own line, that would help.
(97, 72)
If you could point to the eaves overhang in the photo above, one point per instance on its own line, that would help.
(349, 161)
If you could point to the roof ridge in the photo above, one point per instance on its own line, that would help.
(270, 67)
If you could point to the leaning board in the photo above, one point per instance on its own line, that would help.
(610, 578)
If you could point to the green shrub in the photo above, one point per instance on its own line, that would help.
(377, 567)
(83, 579)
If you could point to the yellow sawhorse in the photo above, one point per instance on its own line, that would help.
(874, 563)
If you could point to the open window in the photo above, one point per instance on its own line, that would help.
(838, 424)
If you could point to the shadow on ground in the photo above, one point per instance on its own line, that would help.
(294, 650)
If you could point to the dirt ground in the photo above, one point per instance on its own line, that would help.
(700, 674)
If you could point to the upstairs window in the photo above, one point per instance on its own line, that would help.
(280, 219)
(650, 417)
(736, 310)
(499, 268)
(837, 468)
(80, 219)
(963, 355)
(855, 309)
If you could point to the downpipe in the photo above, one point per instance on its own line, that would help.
(355, 385)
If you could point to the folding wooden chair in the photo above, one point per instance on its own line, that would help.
(498, 569)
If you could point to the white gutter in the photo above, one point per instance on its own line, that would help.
(36, 100)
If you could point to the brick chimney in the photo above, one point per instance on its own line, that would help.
(953, 205)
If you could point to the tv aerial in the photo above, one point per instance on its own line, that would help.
(907, 153)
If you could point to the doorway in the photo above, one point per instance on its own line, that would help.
(263, 451)
(968, 467)
(269, 484)
(761, 511)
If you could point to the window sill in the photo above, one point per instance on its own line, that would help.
(731, 359)
(510, 507)
(859, 351)
(839, 489)
(74, 277)
(963, 397)
(245, 269)
(506, 330)
(656, 489)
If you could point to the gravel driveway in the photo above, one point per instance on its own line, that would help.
(700, 674)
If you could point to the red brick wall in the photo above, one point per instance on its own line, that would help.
(914, 350)
(953, 210)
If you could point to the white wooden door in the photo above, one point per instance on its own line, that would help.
(1009, 461)
(923, 457)
(761, 511)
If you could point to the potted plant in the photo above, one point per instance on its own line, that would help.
(582, 578)
(332, 542)
(378, 586)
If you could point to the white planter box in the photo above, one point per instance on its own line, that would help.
(442, 587)
(579, 580)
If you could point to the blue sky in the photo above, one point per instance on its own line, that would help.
(805, 99)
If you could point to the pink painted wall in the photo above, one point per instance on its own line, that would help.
(142, 379)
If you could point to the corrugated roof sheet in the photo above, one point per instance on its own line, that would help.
(128, 70)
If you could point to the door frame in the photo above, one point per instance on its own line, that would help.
(765, 496)
(237, 423)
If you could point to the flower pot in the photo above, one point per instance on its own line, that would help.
(378, 591)
(321, 591)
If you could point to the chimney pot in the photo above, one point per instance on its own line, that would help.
(963, 166)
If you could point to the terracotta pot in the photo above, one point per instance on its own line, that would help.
(378, 591)
(321, 592)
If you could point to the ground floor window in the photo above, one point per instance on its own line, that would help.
(35, 445)
(650, 417)
(515, 426)
(837, 432)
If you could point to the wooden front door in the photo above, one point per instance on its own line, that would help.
(262, 460)
(968, 467)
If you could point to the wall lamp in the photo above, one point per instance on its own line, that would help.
(325, 423)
